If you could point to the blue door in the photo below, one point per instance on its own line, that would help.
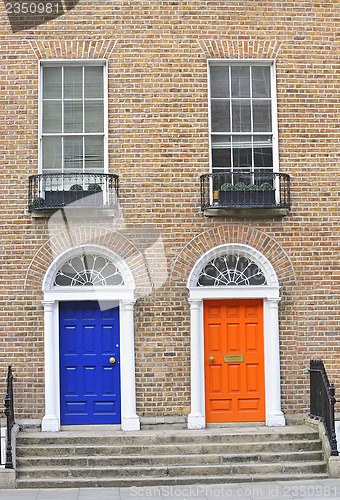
(89, 364)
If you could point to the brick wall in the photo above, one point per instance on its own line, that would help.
(157, 55)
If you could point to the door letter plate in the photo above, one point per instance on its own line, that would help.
(234, 358)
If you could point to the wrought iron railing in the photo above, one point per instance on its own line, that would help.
(245, 189)
(2, 459)
(322, 401)
(76, 190)
(9, 412)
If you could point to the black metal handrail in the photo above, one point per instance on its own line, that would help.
(9, 412)
(245, 189)
(322, 401)
(75, 190)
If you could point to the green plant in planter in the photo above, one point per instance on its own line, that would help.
(266, 186)
(38, 202)
(239, 186)
(76, 187)
(251, 187)
(94, 187)
(227, 186)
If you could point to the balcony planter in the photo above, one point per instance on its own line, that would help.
(38, 202)
(77, 195)
(246, 195)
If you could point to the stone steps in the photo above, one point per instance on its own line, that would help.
(66, 459)
(183, 480)
(216, 448)
(189, 459)
(182, 436)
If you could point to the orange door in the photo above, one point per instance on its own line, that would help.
(234, 360)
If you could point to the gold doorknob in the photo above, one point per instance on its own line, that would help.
(211, 359)
(112, 360)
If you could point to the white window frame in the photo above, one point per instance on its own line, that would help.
(74, 62)
(252, 62)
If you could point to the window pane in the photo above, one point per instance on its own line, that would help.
(93, 81)
(73, 116)
(51, 154)
(220, 116)
(94, 116)
(263, 151)
(52, 83)
(221, 151)
(73, 154)
(240, 81)
(219, 79)
(94, 154)
(242, 152)
(261, 81)
(51, 116)
(73, 82)
(262, 121)
(241, 115)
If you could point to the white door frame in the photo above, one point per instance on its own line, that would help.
(123, 296)
(271, 298)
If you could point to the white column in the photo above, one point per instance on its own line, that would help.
(196, 419)
(274, 415)
(130, 420)
(50, 421)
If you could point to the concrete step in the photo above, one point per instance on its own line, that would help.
(165, 437)
(169, 449)
(172, 470)
(150, 460)
(166, 481)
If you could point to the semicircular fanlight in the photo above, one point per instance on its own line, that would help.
(231, 270)
(88, 270)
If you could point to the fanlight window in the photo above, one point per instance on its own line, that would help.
(88, 270)
(231, 270)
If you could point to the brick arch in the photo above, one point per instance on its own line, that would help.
(240, 49)
(230, 233)
(70, 238)
(73, 49)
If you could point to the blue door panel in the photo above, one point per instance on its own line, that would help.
(89, 339)
(76, 407)
(71, 375)
(101, 408)
(108, 383)
(107, 337)
(89, 383)
(90, 376)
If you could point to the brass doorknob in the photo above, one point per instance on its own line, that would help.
(211, 359)
(112, 360)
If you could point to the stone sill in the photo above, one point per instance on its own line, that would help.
(260, 213)
(75, 212)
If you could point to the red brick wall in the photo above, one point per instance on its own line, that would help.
(157, 55)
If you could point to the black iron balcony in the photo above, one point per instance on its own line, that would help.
(245, 190)
(74, 190)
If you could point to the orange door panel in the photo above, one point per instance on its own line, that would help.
(234, 360)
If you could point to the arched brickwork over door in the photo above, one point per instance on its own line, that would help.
(230, 233)
(77, 236)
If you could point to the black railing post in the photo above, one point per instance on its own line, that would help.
(333, 442)
(1, 458)
(322, 401)
(9, 412)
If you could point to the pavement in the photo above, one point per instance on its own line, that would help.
(319, 489)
